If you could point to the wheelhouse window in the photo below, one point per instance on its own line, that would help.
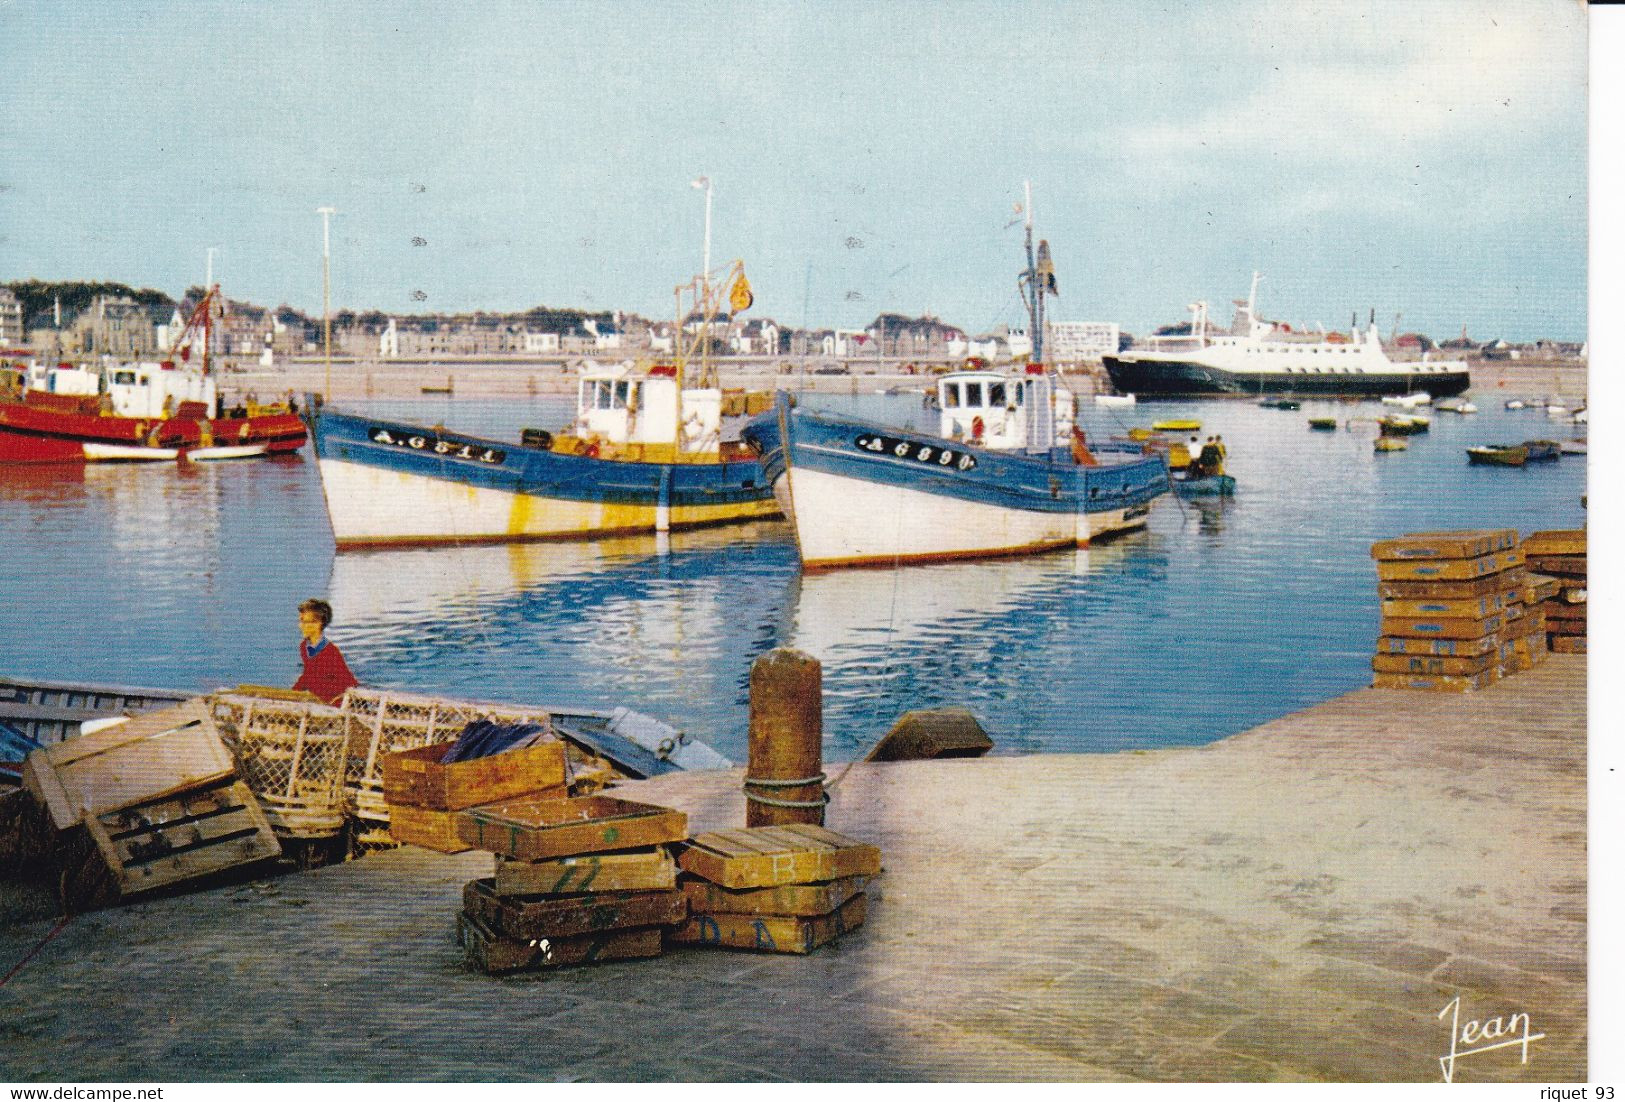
(995, 394)
(973, 394)
(950, 395)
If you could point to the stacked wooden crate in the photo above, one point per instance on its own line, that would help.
(777, 889)
(423, 794)
(1446, 599)
(578, 881)
(385, 721)
(1558, 558)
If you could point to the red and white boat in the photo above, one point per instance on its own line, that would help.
(135, 412)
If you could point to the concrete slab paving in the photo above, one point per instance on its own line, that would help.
(1297, 902)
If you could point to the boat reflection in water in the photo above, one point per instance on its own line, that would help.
(993, 632)
(671, 626)
(665, 624)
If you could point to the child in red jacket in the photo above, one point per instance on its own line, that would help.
(325, 672)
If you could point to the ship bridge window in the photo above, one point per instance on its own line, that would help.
(995, 394)
(950, 395)
(124, 378)
(973, 394)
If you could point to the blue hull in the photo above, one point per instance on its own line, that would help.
(448, 487)
(838, 477)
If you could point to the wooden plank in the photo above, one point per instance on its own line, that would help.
(773, 933)
(181, 837)
(1531, 623)
(521, 916)
(1429, 664)
(426, 828)
(650, 869)
(419, 777)
(1430, 570)
(1567, 541)
(1568, 644)
(705, 897)
(1439, 627)
(1563, 611)
(1418, 589)
(143, 758)
(1539, 587)
(535, 830)
(1437, 682)
(1467, 544)
(1393, 644)
(762, 857)
(487, 951)
(1489, 604)
(1563, 566)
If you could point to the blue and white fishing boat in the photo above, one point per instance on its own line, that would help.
(644, 454)
(1006, 473)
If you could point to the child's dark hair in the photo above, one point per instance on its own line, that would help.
(323, 610)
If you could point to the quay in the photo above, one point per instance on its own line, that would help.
(1304, 901)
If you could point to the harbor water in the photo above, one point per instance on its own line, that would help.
(1217, 617)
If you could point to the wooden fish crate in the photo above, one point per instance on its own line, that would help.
(431, 828)
(1414, 589)
(1448, 570)
(143, 758)
(385, 722)
(418, 776)
(569, 915)
(1394, 644)
(1490, 604)
(773, 933)
(159, 842)
(426, 827)
(1438, 682)
(761, 857)
(1431, 665)
(1562, 566)
(1568, 644)
(292, 755)
(1470, 544)
(651, 869)
(1439, 627)
(823, 898)
(1569, 541)
(485, 950)
(535, 830)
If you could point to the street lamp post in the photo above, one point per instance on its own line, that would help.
(327, 320)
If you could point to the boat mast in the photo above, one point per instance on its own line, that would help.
(1035, 300)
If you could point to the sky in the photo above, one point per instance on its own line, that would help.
(1425, 161)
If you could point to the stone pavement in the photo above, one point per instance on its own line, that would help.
(1297, 902)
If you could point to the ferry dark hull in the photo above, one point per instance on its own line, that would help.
(1189, 379)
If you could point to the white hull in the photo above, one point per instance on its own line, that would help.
(907, 525)
(126, 453)
(233, 451)
(373, 505)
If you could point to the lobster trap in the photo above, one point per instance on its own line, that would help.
(292, 754)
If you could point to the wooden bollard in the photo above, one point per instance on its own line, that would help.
(784, 782)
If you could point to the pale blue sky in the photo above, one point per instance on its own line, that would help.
(1416, 158)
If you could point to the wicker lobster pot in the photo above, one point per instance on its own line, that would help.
(383, 721)
(292, 755)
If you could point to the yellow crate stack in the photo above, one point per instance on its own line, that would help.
(1454, 610)
(1558, 560)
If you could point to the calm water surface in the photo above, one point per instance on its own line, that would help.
(1216, 618)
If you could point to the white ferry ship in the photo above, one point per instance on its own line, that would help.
(1259, 358)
